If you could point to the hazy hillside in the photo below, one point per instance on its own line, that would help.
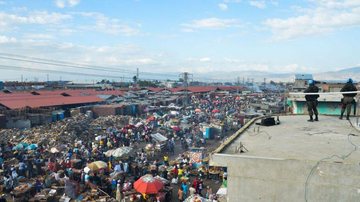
(343, 74)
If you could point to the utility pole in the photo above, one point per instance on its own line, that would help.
(238, 84)
(264, 82)
(185, 76)
(47, 78)
(137, 74)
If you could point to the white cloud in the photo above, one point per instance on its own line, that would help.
(109, 25)
(66, 3)
(60, 3)
(73, 2)
(223, 6)
(326, 16)
(205, 59)
(258, 4)
(201, 60)
(232, 1)
(38, 17)
(6, 39)
(337, 3)
(212, 23)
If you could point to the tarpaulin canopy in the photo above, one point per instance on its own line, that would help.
(158, 137)
(118, 152)
(97, 165)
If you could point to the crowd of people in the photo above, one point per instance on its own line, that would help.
(75, 165)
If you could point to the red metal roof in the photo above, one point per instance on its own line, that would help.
(155, 89)
(48, 101)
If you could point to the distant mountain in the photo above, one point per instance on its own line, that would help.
(245, 75)
(343, 74)
(355, 70)
(259, 76)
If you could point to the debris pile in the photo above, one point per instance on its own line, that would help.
(64, 132)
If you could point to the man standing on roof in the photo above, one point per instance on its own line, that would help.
(348, 98)
(311, 100)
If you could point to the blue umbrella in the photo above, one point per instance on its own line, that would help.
(20, 146)
(32, 147)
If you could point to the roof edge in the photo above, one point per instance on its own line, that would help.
(235, 135)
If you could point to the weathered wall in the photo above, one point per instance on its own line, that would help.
(259, 179)
(326, 108)
(22, 124)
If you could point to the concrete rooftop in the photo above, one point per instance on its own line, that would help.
(297, 139)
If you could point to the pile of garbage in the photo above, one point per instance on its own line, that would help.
(67, 131)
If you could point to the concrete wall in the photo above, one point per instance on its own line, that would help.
(326, 108)
(260, 179)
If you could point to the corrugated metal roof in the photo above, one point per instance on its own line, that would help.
(49, 101)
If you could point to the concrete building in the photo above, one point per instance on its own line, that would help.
(301, 80)
(294, 161)
(329, 104)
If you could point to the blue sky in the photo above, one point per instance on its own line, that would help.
(173, 36)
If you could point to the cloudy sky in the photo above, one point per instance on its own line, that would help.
(164, 37)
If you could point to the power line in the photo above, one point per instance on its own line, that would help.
(73, 65)
(18, 68)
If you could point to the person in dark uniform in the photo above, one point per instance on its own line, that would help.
(311, 100)
(348, 99)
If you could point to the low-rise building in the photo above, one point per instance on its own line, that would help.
(294, 161)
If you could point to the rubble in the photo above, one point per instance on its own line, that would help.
(67, 131)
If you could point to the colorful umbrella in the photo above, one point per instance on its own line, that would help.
(197, 110)
(97, 165)
(215, 111)
(147, 184)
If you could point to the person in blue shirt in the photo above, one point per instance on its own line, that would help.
(185, 189)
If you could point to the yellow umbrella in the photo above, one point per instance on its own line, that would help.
(97, 165)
